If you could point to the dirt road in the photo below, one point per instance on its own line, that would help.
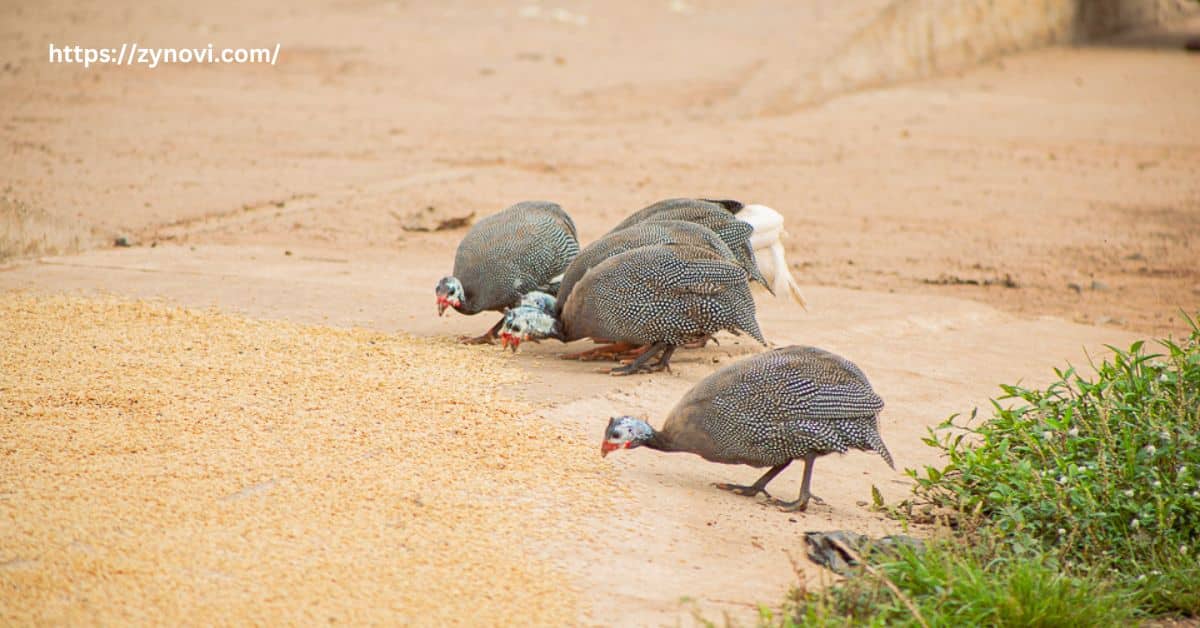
(950, 234)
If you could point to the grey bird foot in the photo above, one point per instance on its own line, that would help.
(634, 368)
(800, 505)
(740, 489)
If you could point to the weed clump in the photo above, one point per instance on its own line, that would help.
(1076, 504)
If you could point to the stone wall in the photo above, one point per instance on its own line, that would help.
(912, 39)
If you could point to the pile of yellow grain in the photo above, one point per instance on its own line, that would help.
(167, 465)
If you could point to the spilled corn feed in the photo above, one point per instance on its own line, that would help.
(164, 465)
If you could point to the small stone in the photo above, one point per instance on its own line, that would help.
(1099, 286)
(122, 241)
(287, 252)
(1076, 287)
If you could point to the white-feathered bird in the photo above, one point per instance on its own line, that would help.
(767, 242)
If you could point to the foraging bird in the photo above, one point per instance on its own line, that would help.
(663, 295)
(506, 255)
(511, 330)
(766, 411)
(645, 234)
(716, 215)
(766, 238)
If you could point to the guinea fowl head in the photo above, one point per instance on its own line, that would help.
(625, 432)
(449, 294)
(540, 300)
(526, 322)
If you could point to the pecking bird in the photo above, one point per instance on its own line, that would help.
(637, 235)
(716, 215)
(765, 241)
(663, 296)
(506, 255)
(766, 411)
(645, 234)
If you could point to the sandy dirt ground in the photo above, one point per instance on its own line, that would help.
(950, 234)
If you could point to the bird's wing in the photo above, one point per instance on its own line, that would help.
(805, 398)
(707, 277)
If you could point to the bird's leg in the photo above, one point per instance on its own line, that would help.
(664, 360)
(801, 504)
(611, 351)
(639, 364)
(758, 487)
(486, 338)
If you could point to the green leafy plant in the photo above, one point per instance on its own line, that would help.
(1103, 472)
(1075, 504)
(947, 585)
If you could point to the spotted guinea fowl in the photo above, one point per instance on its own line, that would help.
(716, 215)
(639, 235)
(766, 411)
(663, 295)
(765, 240)
(506, 255)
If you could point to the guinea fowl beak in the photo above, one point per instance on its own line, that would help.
(442, 305)
(606, 447)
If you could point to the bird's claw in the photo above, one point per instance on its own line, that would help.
(800, 505)
(738, 489)
(645, 368)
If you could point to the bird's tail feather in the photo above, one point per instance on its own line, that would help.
(784, 283)
(768, 237)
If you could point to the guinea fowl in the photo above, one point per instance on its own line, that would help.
(716, 215)
(524, 248)
(766, 234)
(662, 295)
(766, 411)
(639, 235)
(635, 236)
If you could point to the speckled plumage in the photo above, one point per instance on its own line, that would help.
(662, 293)
(518, 250)
(776, 407)
(766, 411)
(636, 236)
(716, 215)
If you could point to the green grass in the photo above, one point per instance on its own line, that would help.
(951, 587)
(1076, 504)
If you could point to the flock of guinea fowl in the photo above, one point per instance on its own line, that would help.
(671, 275)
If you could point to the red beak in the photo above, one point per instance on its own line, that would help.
(606, 447)
(509, 340)
(445, 302)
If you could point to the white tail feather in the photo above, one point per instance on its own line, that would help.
(767, 241)
(784, 283)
